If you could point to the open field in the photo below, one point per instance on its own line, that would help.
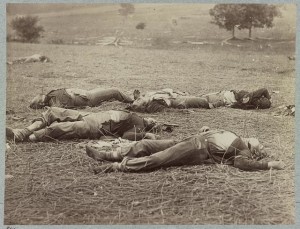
(51, 183)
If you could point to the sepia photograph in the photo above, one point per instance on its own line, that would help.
(150, 114)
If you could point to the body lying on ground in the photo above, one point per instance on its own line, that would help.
(30, 59)
(167, 98)
(73, 97)
(209, 146)
(59, 123)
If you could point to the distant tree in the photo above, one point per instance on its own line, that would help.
(126, 9)
(258, 16)
(26, 28)
(244, 16)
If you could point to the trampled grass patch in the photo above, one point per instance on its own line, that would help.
(51, 181)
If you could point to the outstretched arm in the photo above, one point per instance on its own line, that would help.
(276, 165)
(137, 130)
(133, 136)
(243, 106)
(262, 92)
(247, 164)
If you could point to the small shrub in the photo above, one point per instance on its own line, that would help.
(57, 41)
(27, 29)
(141, 25)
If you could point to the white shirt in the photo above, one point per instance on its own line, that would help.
(220, 140)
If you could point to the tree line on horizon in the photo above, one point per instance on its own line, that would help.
(226, 16)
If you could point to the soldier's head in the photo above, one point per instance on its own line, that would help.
(150, 123)
(256, 148)
(38, 102)
(140, 104)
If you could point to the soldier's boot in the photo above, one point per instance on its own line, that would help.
(18, 135)
(101, 155)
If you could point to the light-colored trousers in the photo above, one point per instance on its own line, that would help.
(61, 123)
(184, 102)
(93, 98)
(147, 155)
(97, 96)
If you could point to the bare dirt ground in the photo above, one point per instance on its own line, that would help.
(51, 183)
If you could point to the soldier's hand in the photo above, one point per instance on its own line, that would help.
(276, 165)
(150, 136)
(204, 129)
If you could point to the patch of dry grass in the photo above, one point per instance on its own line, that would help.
(56, 188)
(51, 181)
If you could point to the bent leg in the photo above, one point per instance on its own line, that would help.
(56, 114)
(191, 151)
(136, 149)
(97, 96)
(183, 102)
(63, 130)
(216, 98)
(51, 115)
(145, 147)
(260, 92)
(120, 96)
(196, 102)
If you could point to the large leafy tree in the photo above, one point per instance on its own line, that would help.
(258, 16)
(27, 29)
(226, 16)
(244, 16)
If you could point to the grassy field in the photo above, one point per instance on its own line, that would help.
(51, 182)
